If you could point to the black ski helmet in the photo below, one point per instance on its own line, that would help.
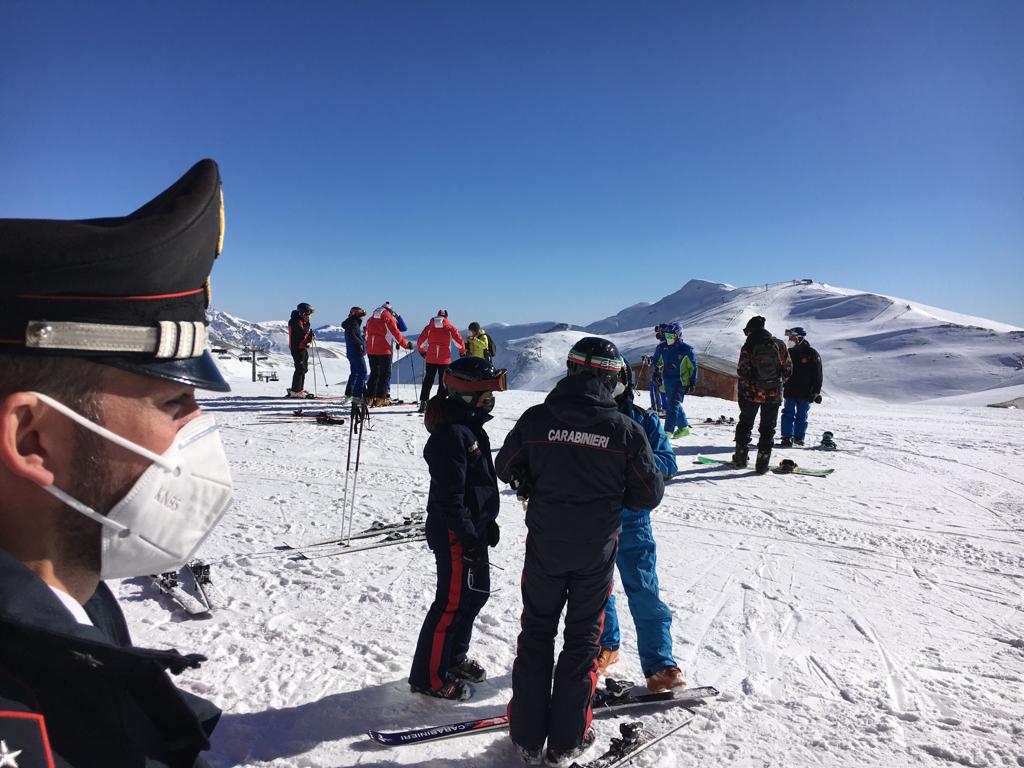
(470, 377)
(303, 309)
(597, 357)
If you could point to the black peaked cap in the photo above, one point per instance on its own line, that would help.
(131, 292)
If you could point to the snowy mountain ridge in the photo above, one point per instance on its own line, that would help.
(872, 345)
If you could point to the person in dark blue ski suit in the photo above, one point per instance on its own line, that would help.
(636, 562)
(355, 350)
(678, 365)
(461, 523)
(657, 398)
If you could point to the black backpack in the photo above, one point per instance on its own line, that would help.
(765, 368)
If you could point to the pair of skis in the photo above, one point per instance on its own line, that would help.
(617, 695)
(190, 587)
(377, 535)
(786, 467)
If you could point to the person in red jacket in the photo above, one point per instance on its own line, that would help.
(381, 330)
(435, 345)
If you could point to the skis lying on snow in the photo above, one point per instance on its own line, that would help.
(388, 539)
(616, 696)
(197, 600)
(784, 468)
(320, 417)
(376, 528)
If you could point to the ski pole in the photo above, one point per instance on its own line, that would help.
(314, 371)
(355, 476)
(319, 359)
(346, 524)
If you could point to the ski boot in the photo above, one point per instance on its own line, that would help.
(681, 432)
(763, 457)
(563, 757)
(531, 756)
(300, 393)
(787, 442)
(468, 670)
(423, 407)
(606, 657)
(665, 679)
(827, 443)
(453, 690)
(739, 459)
(798, 442)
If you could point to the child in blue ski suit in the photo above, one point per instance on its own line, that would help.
(355, 350)
(636, 561)
(678, 366)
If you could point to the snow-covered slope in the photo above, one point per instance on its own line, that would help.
(873, 618)
(873, 346)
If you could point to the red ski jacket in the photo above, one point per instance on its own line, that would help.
(299, 334)
(435, 341)
(381, 330)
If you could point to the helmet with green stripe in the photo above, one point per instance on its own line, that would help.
(596, 357)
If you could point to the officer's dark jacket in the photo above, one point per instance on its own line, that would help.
(103, 702)
(585, 461)
(463, 486)
(805, 382)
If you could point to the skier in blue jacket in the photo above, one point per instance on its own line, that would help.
(678, 366)
(636, 562)
(355, 350)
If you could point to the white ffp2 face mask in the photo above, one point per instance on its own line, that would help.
(172, 507)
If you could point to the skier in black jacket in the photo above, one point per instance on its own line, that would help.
(300, 336)
(461, 523)
(579, 461)
(802, 388)
(763, 367)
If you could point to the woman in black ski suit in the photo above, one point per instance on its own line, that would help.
(461, 512)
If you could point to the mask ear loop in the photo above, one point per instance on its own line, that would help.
(113, 437)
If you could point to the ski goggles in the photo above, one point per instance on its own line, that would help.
(497, 383)
(670, 338)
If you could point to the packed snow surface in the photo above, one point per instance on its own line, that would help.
(872, 618)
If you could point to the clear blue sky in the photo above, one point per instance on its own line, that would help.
(535, 160)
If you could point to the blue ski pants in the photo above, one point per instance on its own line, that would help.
(656, 398)
(675, 416)
(794, 417)
(636, 561)
(356, 377)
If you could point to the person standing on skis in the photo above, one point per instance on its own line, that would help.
(300, 336)
(763, 368)
(435, 346)
(676, 362)
(462, 509)
(355, 350)
(802, 388)
(578, 460)
(637, 565)
(381, 330)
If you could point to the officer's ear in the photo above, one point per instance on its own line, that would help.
(31, 436)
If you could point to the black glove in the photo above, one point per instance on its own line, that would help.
(493, 534)
(423, 354)
(817, 399)
(689, 389)
(471, 552)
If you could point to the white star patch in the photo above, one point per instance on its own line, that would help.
(7, 757)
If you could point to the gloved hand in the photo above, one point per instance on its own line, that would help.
(408, 345)
(471, 552)
(493, 534)
(423, 354)
(817, 399)
(689, 389)
(312, 335)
